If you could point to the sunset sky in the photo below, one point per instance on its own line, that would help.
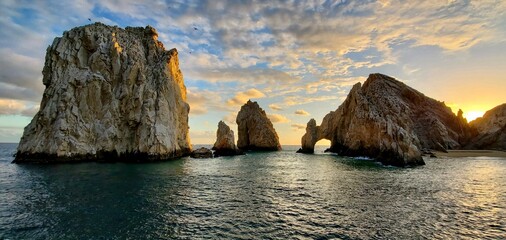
(298, 59)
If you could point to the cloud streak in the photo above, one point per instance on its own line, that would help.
(301, 112)
(278, 118)
(242, 97)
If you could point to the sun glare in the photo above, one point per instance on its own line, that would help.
(471, 115)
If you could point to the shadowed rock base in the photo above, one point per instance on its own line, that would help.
(227, 152)
(389, 158)
(112, 156)
(202, 153)
(308, 151)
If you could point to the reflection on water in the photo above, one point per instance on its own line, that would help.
(259, 195)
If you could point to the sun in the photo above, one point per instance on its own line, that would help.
(471, 115)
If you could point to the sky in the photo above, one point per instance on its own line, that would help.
(297, 59)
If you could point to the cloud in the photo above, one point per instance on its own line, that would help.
(295, 100)
(202, 134)
(242, 97)
(278, 118)
(10, 134)
(302, 112)
(197, 102)
(16, 107)
(202, 137)
(230, 118)
(250, 76)
(300, 51)
(298, 126)
(21, 75)
(203, 101)
(275, 107)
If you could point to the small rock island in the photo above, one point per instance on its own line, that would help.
(389, 121)
(111, 94)
(256, 131)
(225, 142)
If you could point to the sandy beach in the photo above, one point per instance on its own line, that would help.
(471, 153)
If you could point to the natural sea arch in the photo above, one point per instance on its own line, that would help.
(322, 143)
(312, 136)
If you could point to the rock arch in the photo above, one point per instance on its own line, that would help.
(311, 137)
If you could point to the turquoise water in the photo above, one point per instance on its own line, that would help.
(277, 195)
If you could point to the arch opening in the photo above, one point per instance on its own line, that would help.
(321, 145)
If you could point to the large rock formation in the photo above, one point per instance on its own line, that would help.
(256, 131)
(111, 94)
(387, 120)
(492, 130)
(225, 142)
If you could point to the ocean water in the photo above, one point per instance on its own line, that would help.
(276, 195)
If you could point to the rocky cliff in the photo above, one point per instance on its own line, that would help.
(256, 131)
(387, 120)
(111, 94)
(492, 130)
(225, 141)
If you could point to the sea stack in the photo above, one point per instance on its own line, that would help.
(256, 131)
(111, 94)
(389, 121)
(225, 141)
(491, 130)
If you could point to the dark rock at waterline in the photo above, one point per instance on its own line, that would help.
(202, 153)
(228, 152)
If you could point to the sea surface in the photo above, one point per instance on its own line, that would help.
(275, 195)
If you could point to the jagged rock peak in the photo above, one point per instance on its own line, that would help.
(225, 141)
(387, 120)
(256, 131)
(111, 94)
(491, 130)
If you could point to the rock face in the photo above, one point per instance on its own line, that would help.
(202, 153)
(111, 94)
(492, 130)
(387, 120)
(225, 142)
(256, 131)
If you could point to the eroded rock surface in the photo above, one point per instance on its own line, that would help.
(387, 120)
(256, 131)
(111, 94)
(492, 130)
(225, 141)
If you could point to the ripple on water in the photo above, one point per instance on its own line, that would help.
(280, 195)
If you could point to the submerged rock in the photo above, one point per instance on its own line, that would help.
(225, 142)
(491, 130)
(202, 153)
(256, 131)
(111, 94)
(387, 120)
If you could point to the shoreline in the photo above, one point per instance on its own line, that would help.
(471, 153)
